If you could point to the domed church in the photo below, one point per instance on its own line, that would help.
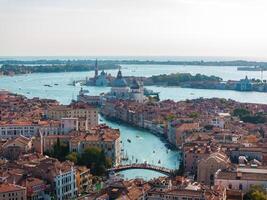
(120, 87)
(121, 90)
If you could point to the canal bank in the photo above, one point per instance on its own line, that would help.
(145, 147)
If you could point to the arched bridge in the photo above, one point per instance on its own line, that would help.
(162, 170)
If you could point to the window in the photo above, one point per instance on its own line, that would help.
(240, 186)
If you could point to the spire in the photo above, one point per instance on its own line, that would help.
(96, 68)
(119, 75)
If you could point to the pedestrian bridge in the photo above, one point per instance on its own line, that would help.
(162, 170)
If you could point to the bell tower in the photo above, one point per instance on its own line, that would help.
(96, 69)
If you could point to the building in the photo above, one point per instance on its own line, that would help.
(61, 176)
(242, 178)
(28, 128)
(13, 148)
(15, 129)
(10, 191)
(137, 91)
(92, 100)
(180, 188)
(220, 120)
(120, 87)
(102, 137)
(69, 124)
(178, 131)
(121, 90)
(207, 168)
(102, 79)
(244, 85)
(36, 188)
(83, 179)
(86, 114)
(192, 154)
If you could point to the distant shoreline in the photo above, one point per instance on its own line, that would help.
(14, 67)
(134, 61)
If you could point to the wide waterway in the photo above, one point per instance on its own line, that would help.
(143, 144)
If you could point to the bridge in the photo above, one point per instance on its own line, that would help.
(147, 166)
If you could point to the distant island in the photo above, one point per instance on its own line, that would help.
(12, 67)
(180, 79)
(185, 80)
(255, 68)
(200, 81)
(15, 67)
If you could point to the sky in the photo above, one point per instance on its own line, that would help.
(235, 28)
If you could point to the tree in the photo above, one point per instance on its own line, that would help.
(194, 115)
(60, 150)
(73, 157)
(256, 192)
(246, 116)
(95, 159)
(180, 171)
(240, 112)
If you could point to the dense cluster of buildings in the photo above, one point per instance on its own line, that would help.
(159, 188)
(218, 149)
(30, 127)
(222, 156)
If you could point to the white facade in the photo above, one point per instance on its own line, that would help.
(10, 131)
(14, 130)
(66, 187)
(242, 179)
(217, 122)
(69, 124)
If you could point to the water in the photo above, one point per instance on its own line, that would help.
(135, 150)
(33, 84)
(142, 148)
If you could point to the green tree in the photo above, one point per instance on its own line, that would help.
(240, 112)
(95, 159)
(194, 115)
(74, 157)
(60, 150)
(256, 192)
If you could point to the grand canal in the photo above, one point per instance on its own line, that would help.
(144, 146)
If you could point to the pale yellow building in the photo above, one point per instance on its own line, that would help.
(209, 166)
(11, 191)
(86, 114)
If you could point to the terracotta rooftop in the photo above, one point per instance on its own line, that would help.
(6, 187)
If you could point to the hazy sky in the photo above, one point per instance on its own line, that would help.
(133, 27)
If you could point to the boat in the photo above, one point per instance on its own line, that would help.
(129, 140)
(125, 157)
(154, 151)
(56, 84)
(137, 136)
(101, 120)
(159, 162)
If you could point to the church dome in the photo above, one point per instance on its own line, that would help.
(119, 81)
(135, 84)
(102, 73)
